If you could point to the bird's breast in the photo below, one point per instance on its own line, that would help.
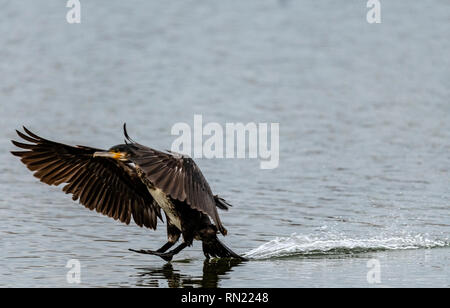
(167, 206)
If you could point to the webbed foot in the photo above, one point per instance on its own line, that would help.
(165, 255)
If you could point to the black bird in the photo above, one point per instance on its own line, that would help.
(134, 181)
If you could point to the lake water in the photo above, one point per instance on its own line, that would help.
(364, 115)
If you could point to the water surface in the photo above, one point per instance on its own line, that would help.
(364, 137)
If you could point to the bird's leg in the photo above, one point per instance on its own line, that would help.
(166, 246)
(169, 255)
(152, 252)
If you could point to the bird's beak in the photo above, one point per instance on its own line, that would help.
(115, 155)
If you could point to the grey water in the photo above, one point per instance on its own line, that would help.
(364, 115)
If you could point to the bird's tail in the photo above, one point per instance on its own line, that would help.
(215, 248)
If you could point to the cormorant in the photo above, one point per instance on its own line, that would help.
(134, 181)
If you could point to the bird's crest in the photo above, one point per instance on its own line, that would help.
(127, 137)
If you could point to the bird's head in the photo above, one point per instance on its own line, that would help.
(120, 152)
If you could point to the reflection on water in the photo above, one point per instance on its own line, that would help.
(213, 271)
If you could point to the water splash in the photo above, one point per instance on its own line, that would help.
(307, 245)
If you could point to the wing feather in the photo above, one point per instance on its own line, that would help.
(110, 187)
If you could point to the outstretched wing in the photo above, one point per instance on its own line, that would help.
(109, 186)
(179, 177)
